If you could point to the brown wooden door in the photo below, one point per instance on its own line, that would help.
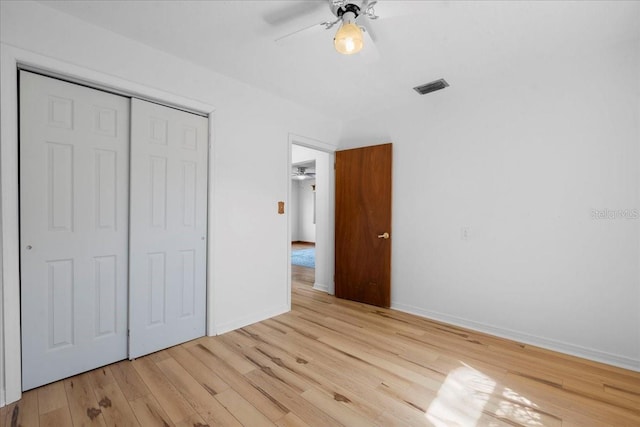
(363, 216)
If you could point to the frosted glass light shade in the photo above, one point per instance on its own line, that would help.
(348, 39)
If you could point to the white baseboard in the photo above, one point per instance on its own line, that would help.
(550, 344)
(250, 320)
(321, 287)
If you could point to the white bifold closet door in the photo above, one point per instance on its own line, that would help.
(74, 178)
(167, 267)
(113, 204)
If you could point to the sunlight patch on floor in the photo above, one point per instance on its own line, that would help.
(518, 408)
(461, 398)
(467, 395)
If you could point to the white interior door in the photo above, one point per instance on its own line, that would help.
(168, 239)
(73, 228)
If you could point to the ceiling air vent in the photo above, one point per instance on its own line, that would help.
(431, 87)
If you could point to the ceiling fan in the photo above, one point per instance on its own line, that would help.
(352, 15)
(301, 173)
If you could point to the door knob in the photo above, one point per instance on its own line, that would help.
(384, 235)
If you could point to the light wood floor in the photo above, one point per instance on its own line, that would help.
(334, 362)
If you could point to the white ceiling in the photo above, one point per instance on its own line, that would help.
(467, 43)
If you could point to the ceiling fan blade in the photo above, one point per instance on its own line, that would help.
(306, 31)
(392, 9)
(293, 12)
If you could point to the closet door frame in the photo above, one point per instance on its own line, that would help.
(13, 59)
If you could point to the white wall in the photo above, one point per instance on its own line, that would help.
(294, 211)
(307, 207)
(244, 217)
(301, 154)
(303, 228)
(2, 387)
(522, 159)
(638, 195)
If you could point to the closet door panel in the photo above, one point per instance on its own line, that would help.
(168, 232)
(74, 155)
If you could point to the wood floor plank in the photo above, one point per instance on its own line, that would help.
(291, 343)
(193, 421)
(310, 348)
(388, 419)
(518, 412)
(129, 381)
(412, 395)
(159, 356)
(51, 397)
(311, 351)
(113, 403)
(101, 377)
(199, 398)
(23, 412)
(266, 404)
(566, 404)
(237, 339)
(292, 400)
(291, 420)
(170, 399)
(337, 407)
(56, 418)
(244, 411)
(83, 405)
(305, 328)
(149, 412)
(229, 355)
(601, 392)
(262, 328)
(380, 338)
(587, 369)
(340, 387)
(447, 363)
(296, 381)
(198, 370)
(390, 350)
(394, 368)
(628, 393)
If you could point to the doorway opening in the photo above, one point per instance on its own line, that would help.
(311, 215)
(303, 216)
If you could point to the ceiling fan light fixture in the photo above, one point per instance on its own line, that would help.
(348, 39)
(302, 174)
